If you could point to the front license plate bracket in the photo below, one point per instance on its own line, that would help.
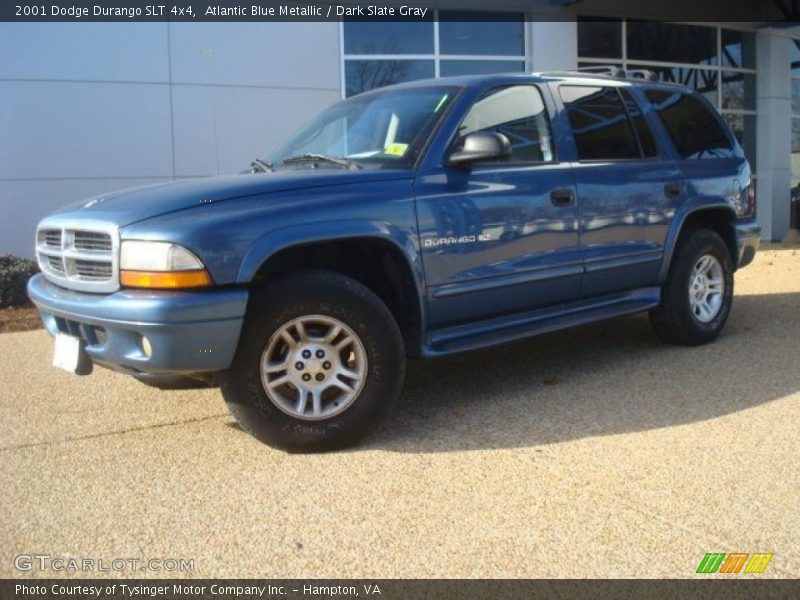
(70, 355)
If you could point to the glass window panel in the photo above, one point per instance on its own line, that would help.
(481, 33)
(794, 57)
(400, 37)
(639, 124)
(364, 75)
(380, 129)
(518, 113)
(599, 123)
(480, 67)
(795, 202)
(599, 39)
(738, 90)
(702, 80)
(796, 147)
(692, 126)
(738, 49)
(795, 158)
(670, 42)
(744, 128)
(796, 97)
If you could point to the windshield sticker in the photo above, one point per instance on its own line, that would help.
(396, 149)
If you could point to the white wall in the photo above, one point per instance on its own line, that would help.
(554, 45)
(91, 107)
(774, 131)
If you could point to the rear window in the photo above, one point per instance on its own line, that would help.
(639, 124)
(599, 123)
(694, 129)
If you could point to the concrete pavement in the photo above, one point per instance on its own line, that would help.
(597, 452)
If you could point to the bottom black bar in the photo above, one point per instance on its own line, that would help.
(390, 589)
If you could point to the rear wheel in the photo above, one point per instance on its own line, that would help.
(320, 361)
(697, 296)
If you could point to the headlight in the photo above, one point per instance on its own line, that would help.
(160, 265)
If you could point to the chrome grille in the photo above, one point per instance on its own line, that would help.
(92, 241)
(79, 254)
(55, 263)
(93, 269)
(50, 237)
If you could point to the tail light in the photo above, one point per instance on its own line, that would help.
(746, 202)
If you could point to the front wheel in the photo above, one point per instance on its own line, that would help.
(320, 361)
(697, 296)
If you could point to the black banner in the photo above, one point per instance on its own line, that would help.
(777, 12)
(393, 589)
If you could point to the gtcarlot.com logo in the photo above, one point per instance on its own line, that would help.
(72, 564)
(734, 562)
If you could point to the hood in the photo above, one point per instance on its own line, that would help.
(124, 207)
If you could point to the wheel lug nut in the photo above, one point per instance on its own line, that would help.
(306, 353)
(326, 365)
(320, 376)
(320, 354)
(306, 377)
(299, 366)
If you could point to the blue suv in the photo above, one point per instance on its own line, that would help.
(412, 221)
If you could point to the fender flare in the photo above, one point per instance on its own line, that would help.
(689, 208)
(277, 240)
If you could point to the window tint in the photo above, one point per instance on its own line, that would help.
(519, 114)
(794, 57)
(639, 124)
(479, 67)
(744, 128)
(400, 37)
(694, 129)
(477, 33)
(739, 49)
(364, 75)
(738, 91)
(671, 42)
(599, 123)
(705, 81)
(599, 38)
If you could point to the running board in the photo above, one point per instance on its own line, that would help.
(500, 330)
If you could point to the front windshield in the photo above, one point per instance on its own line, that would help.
(376, 129)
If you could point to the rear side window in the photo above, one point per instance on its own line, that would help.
(639, 124)
(694, 129)
(599, 123)
(519, 113)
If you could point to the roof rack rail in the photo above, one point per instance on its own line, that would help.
(610, 71)
(645, 74)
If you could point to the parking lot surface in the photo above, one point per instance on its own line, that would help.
(596, 452)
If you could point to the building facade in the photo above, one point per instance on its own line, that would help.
(92, 107)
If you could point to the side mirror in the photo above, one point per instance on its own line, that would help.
(479, 146)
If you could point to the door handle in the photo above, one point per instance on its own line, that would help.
(561, 197)
(672, 190)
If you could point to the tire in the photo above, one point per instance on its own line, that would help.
(691, 322)
(315, 415)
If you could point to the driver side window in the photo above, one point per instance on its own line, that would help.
(519, 113)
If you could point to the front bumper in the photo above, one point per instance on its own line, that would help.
(748, 237)
(189, 332)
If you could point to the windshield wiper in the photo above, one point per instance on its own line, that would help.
(321, 158)
(261, 165)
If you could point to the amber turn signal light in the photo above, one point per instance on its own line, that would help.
(165, 280)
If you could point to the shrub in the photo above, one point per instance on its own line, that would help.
(14, 275)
